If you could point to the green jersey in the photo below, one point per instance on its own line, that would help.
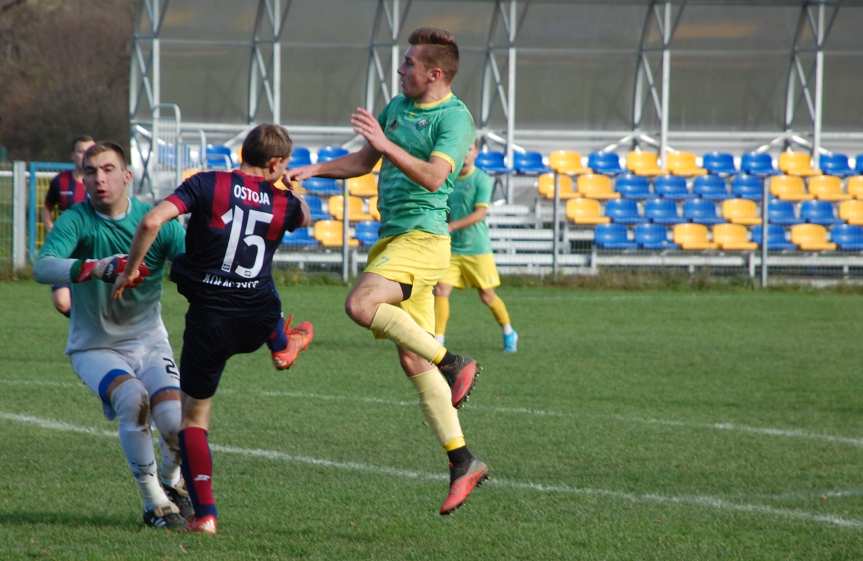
(444, 129)
(470, 192)
(98, 321)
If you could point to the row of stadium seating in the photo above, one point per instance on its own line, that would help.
(330, 234)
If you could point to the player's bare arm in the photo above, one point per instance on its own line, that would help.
(352, 165)
(145, 235)
(476, 216)
(47, 218)
(430, 174)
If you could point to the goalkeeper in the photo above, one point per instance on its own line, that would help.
(119, 348)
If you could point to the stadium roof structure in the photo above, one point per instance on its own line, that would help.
(537, 73)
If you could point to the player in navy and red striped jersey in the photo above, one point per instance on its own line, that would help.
(237, 221)
(66, 189)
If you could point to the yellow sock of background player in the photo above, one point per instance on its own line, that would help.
(441, 315)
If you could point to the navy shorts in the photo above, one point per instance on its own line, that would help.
(212, 337)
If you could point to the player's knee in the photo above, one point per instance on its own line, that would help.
(131, 403)
(167, 414)
(487, 296)
(357, 309)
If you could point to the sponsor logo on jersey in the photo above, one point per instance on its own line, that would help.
(247, 194)
(422, 123)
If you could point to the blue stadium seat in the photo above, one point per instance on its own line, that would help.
(671, 187)
(847, 237)
(781, 212)
(219, 156)
(327, 153)
(661, 211)
(529, 163)
(613, 236)
(300, 156)
(711, 187)
(653, 236)
(606, 163)
(631, 186)
(718, 163)
(701, 211)
(623, 211)
(745, 186)
(301, 237)
(367, 231)
(324, 186)
(835, 164)
(776, 237)
(757, 163)
(818, 212)
(858, 164)
(316, 206)
(492, 162)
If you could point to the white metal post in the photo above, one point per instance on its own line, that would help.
(510, 118)
(19, 215)
(666, 81)
(819, 84)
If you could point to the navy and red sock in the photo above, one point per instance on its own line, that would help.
(278, 340)
(197, 466)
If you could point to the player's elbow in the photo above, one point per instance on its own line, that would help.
(435, 182)
(151, 223)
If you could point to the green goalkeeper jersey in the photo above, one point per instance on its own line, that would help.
(470, 192)
(98, 321)
(445, 129)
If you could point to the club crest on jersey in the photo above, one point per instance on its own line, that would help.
(421, 124)
(247, 194)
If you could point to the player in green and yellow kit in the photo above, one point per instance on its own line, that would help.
(472, 262)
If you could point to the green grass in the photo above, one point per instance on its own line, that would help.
(652, 425)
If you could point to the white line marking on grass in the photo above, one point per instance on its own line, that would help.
(689, 500)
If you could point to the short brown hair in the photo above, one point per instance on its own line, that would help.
(264, 142)
(107, 146)
(441, 50)
(82, 138)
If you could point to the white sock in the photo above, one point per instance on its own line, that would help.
(507, 329)
(166, 417)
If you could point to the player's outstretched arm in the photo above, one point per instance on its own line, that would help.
(476, 216)
(146, 233)
(352, 165)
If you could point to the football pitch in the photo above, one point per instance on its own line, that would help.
(654, 425)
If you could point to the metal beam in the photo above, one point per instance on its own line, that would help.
(265, 60)
(389, 15)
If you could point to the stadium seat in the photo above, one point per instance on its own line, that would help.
(851, 212)
(719, 163)
(855, 186)
(327, 153)
(788, 188)
(585, 211)
(189, 172)
(796, 163)
(757, 163)
(643, 163)
(653, 236)
(596, 186)
(745, 186)
(701, 211)
(835, 164)
(567, 162)
(613, 236)
(367, 231)
(858, 164)
(818, 212)
(631, 186)
(683, 164)
(300, 156)
(776, 237)
(781, 212)
(847, 237)
(329, 233)
(732, 237)
(671, 187)
(827, 188)
(219, 156)
(323, 186)
(661, 211)
(741, 211)
(692, 236)
(492, 162)
(811, 237)
(363, 185)
(623, 211)
(373, 209)
(356, 212)
(545, 186)
(529, 163)
(301, 237)
(316, 206)
(711, 187)
(606, 163)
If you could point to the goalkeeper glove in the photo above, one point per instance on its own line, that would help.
(105, 269)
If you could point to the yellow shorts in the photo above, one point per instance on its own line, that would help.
(416, 258)
(472, 271)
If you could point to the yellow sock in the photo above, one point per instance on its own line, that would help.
(436, 404)
(396, 325)
(441, 314)
(498, 309)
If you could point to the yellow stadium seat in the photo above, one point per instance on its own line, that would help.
(356, 212)
(788, 188)
(329, 233)
(363, 186)
(797, 163)
(741, 211)
(827, 188)
(596, 186)
(692, 236)
(643, 163)
(732, 237)
(683, 163)
(545, 185)
(811, 237)
(851, 212)
(585, 211)
(187, 173)
(566, 162)
(855, 186)
(373, 209)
